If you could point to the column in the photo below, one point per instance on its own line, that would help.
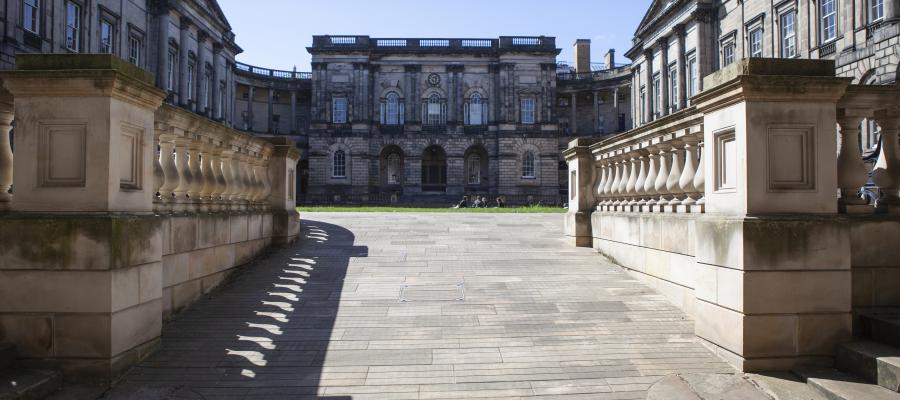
(162, 56)
(270, 107)
(183, 39)
(664, 76)
(294, 128)
(573, 124)
(218, 69)
(682, 65)
(202, 104)
(596, 114)
(648, 85)
(700, 181)
(851, 171)
(249, 123)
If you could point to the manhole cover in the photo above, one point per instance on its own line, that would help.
(434, 292)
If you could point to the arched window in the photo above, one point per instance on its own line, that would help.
(434, 110)
(475, 111)
(392, 110)
(339, 165)
(473, 169)
(393, 169)
(528, 165)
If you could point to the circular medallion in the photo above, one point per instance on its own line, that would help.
(434, 79)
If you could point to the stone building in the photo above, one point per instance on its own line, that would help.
(678, 42)
(429, 120)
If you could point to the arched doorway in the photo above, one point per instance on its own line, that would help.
(434, 169)
(391, 166)
(476, 166)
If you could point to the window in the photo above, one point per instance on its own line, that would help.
(475, 110)
(135, 48)
(756, 38)
(339, 111)
(644, 103)
(107, 35)
(692, 78)
(876, 10)
(391, 112)
(473, 169)
(207, 86)
(434, 112)
(527, 110)
(31, 15)
(788, 35)
(527, 105)
(171, 63)
(673, 87)
(727, 53)
(657, 95)
(528, 165)
(191, 73)
(393, 169)
(73, 26)
(222, 100)
(339, 165)
(828, 20)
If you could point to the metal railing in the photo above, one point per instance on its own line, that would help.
(275, 73)
(538, 43)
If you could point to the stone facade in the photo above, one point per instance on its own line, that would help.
(429, 120)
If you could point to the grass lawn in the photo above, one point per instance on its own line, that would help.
(532, 209)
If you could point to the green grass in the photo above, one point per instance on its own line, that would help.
(530, 209)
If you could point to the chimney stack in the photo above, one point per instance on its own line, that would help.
(583, 55)
(610, 59)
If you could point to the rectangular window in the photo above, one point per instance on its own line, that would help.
(673, 87)
(528, 111)
(643, 103)
(191, 73)
(788, 35)
(828, 15)
(756, 40)
(727, 53)
(135, 48)
(207, 87)
(876, 10)
(693, 79)
(31, 15)
(107, 36)
(222, 96)
(73, 26)
(657, 96)
(171, 63)
(339, 112)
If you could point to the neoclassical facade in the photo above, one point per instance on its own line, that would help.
(429, 120)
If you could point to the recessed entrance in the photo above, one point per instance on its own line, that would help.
(434, 169)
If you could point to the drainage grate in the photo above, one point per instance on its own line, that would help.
(433, 292)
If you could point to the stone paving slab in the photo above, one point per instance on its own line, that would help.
(424, 306)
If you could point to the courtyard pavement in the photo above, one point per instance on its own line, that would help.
(423, 306)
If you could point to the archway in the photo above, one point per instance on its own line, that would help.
(390, 163)
(434, 169)
(476, 166)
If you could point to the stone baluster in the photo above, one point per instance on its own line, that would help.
(171, 177)
(257, 185)
(218, 177)
(662, 177)
(262, 172)
(686, 182)
(617, 179)
(611, 177)
(631, 185)
(248, 182)
(6, 156)
(674, 179)
(650, 181)
(887, 171)
(196, 174)
(159, 177)
(643, 162)
(240, 183)
(851, 171)
(228, 177)
(209, 179)
(185, 179)
(700, 180)
(623, 182)
(601, 183)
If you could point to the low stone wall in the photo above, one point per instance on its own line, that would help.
(200, 250)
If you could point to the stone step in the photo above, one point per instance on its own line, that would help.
(872, 361)
(27, 384)
(882, 328)
(836, 385)
(7, 355)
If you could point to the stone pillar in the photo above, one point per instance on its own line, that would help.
(774, 284)
(682, 67)
(648, 84)
(573, 116)
(202, 104)
(664, 76)
(218, 70)
(581, 197)
(84, 186)
(183, 38)
(270, 107)
(596, 113)
(282, 173)
(250, 93)
(294, 128)
(162, 56)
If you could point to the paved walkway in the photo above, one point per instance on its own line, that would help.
(424, 306)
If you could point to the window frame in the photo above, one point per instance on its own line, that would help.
(395, 116)
(171, 66)
(339, 111)
(191, 77)
(35, 16)
(692, 80)
(673, 86)
(529, 165)
(784, 38)
(107, 45)
(434, 102)
(73, 44)
(833, 15)
(339, 164)
(527, 110)
(475, 102)
(656, 100)
(871, 7)
(758, 52)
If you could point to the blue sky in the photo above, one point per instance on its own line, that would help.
(275, 33)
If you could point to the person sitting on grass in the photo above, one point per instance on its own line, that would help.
(477, 202)
(464, 203)
(484, 203)
(500, 203)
